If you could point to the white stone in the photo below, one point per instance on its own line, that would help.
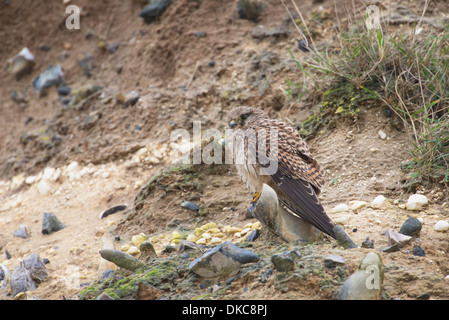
(43, 187)
(340, 208)
(441, 226)
(341, 220)
(382, 134)
(416, 202)
(379, 201)
(48, 173)
(30, 179)
(72, 167)
(356, 205)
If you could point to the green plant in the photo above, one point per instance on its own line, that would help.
(406, 72)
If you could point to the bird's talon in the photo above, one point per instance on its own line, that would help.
(255, 198)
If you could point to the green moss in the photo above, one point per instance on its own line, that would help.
(89, 293)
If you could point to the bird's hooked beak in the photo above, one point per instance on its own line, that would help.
(232, 124)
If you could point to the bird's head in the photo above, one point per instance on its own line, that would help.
(239, 117)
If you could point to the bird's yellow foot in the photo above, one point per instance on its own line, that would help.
(256, 197)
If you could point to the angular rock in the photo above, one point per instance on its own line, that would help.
(397, 238)
(283, 262)
(223, 260)
(366, 283)
(5, 277)
(21, 64)
(21, 280)
(416, 202)
(250, 9)
(51, 223)
(22, 232)
(36, 267)
(419, 251)
(52, 76)
(122, 259)
(411, 227)
(332, 260)
(154, 10)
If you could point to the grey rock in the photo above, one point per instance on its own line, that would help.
(250, 9)
(411, 227)
(343, 239)
(419, 251)
(366, 283)
(147, 249)
(64, 91)
(122, 259)
(86, 62)
(51, 223)
(21, 64)
(393, 248)
(22, 232)
(52, 76)
(253, 235)
(223, 260)
(104, 296)
(368, 243)
(113, 210)
(154, 10)
(36, 267)
(397, 238)
(283, 262)
(21, 280)
(190, 205)
(332, 260)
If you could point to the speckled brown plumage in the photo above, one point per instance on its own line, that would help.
(298, 178)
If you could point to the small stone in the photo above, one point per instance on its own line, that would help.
(441, 226)
(233, 230)
(253, 235)
(419, 251)
(191, 237)
(138, 239)
(22, 232)
(21, 64)
(201, 241)
(332, 260)
(368, 243)
(147, 249)
(51, 223)
(64, 91)
(52, 76)
(43, 187)
(342, 220)
(356, 205)
(340, 208)
(122, 259)
(417, 202)
(175, 235)
(397, 238)
(190, 205)
(133, 250)
(392, 248)
(154, 10)
(250, 9)
(379, 202)
(411, 227)
(283, 262)
(215, 240)
(223, 260)
(382, 134)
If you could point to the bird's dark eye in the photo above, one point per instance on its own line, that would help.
(244, 116)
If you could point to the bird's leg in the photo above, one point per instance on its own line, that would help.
(255, 198)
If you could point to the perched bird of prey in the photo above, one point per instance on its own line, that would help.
(269, 151)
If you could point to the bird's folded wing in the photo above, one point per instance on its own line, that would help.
(301, 200)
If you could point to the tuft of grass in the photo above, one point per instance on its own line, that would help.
(411, 76)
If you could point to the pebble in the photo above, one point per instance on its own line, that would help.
(366, 283)
(64, 91)
(189, 205)
(223, 260)
(22, 232)
(154, 10)
(397, 238)
(416, 202)
(122, 259)
(357, 204)
(52, 76)
(419, 251)
(147, 249)
(379, 201)
(382, 134)
(441, 225)
(253, 235)
(250, 9)
(283, 262)
(332, 260)
(51, 223)
(411, 227)
(138, 239)
(21, 64)
(340, 208)
(342, 220)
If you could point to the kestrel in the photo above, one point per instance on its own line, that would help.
(269, 151)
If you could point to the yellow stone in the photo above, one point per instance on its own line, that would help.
(201, 241)
(215, 240)
(138, 239)
(175, 235)
(206, 235)
(133, 250)
(234, 230)
(256, 225)
(209, 225)
(191, 237)
(125, 247)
